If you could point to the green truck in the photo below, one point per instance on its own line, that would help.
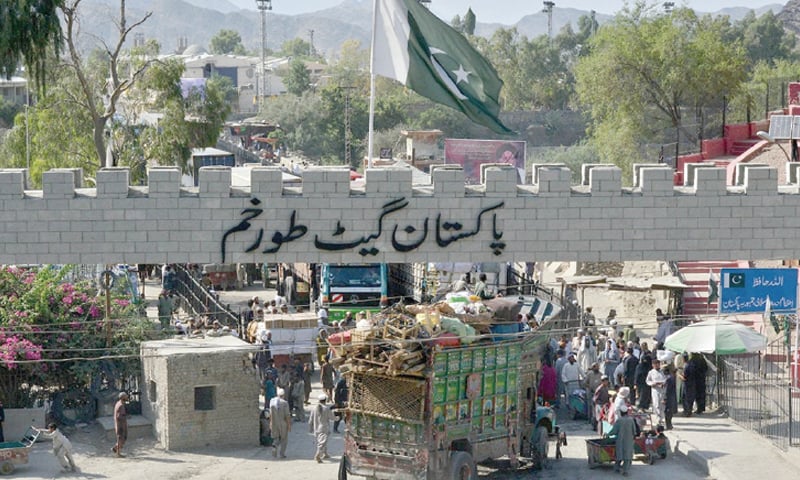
(472, 404)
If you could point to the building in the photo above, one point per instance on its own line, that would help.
(244, 72)
(200, 392)
(14, 90)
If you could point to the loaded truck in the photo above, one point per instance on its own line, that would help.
(471, 404)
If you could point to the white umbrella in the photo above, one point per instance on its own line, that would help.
(722, 337)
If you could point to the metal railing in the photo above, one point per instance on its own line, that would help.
(756, 391)
(197, 300)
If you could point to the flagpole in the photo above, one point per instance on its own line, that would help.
(370, 135)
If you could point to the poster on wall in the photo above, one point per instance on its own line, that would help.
(471, 154)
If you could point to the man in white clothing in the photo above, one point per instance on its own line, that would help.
(571, 375)
(320, 425)
(657, 382)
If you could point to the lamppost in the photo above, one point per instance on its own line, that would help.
(263, 7)
(548, 9)
(769, 138)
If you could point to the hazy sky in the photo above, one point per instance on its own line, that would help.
(508, 11)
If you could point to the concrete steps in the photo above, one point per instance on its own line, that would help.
(696, 276)
(740, 146)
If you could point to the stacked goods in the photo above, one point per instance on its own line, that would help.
(398, 343)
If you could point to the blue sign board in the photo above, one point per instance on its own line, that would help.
(745, 290)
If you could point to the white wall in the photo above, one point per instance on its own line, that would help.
(549, 220)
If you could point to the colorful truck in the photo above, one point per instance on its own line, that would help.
(472, 404)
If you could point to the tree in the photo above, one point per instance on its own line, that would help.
(31, 30)
(296, 47)
(299, 78)
(48, 325)
(645, 67)
(99, 94)
(765, 39)
(227, 42)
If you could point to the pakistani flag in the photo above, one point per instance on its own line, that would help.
(428, 56)
(713, 287)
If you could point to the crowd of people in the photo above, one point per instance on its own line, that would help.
(618, 382)
(601, 365)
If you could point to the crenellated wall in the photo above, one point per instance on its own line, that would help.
(391, 220)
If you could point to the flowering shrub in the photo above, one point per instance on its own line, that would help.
(52, 333)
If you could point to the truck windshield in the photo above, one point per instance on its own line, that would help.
(355, 276)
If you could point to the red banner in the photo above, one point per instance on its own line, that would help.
(471, 154)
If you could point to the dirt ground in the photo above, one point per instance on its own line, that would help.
(145, 459)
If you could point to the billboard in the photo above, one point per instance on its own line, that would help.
(746, 289)
(471, 154)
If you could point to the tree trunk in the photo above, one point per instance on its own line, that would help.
(100, 140)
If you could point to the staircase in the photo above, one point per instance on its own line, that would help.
(696, 275)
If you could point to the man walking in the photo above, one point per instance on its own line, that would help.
(120, 423)
(62, 447)
(280, 423)
(320, 425)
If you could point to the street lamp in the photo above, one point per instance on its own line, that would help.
(769, 138)
(263, 7)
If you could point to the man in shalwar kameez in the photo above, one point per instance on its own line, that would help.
(320, 425)
(625, 429)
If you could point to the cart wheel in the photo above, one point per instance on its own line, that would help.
(7, 468)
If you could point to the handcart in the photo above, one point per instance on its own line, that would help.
(17, 453)
(600, 451)
(579, 404)
(603, 450)
(651, 446)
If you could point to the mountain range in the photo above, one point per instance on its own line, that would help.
(198, 21)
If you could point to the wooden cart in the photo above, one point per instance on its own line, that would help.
(17, 453)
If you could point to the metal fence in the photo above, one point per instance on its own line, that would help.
(756, 392)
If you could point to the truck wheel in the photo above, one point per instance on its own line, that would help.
(462, 467)
(540, 446)
(342, 469)
(7, 468)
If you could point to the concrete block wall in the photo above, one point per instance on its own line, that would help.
(178, 426)
(391, 220)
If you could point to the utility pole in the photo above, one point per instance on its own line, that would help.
(347, 134)
(263, 7)
(311, 45)
(548, 9)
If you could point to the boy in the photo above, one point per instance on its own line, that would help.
(62, 447)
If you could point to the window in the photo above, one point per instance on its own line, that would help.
(152, 391)
(204, 398)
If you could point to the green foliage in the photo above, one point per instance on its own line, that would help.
(31, 30)
(644, 67)
(8, 111)
(535, 72)
(296, 48)
(299, 78)
(227, 42)
(47, 325)
(764, 38)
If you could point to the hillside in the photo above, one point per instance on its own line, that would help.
(200, 20)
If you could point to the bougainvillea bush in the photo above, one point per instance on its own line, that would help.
(54, 335)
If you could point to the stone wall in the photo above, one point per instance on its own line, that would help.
(391, 220)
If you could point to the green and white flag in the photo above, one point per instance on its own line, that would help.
(713, 287)
(414, 47)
